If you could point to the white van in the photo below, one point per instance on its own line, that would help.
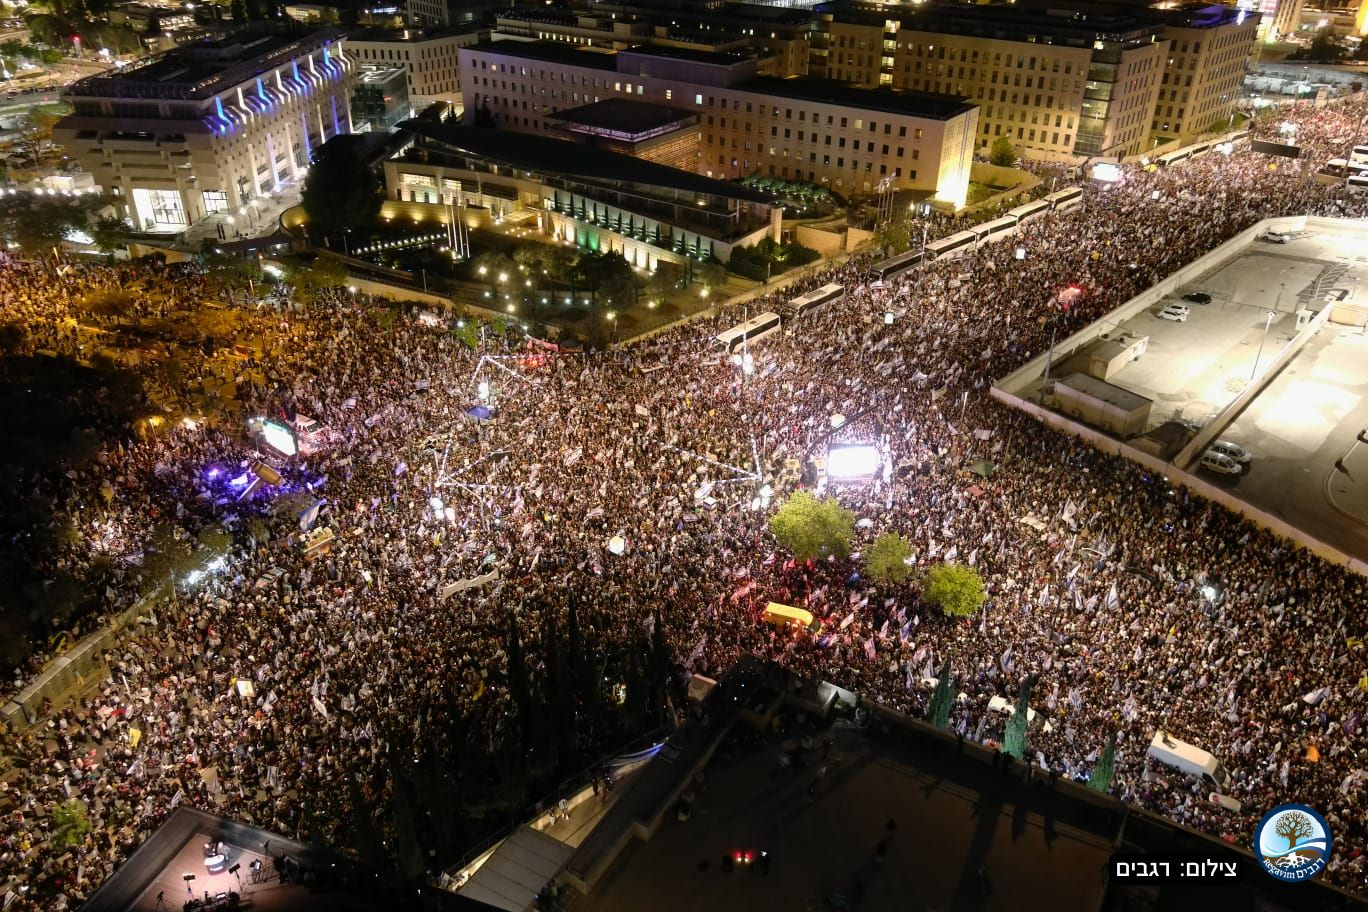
(1189, 759)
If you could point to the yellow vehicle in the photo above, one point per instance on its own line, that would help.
(788, 616)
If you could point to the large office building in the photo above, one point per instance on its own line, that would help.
(380, 100)
(209, 126)
(778, 35)
(667, 136)
(449, 13)
(427, 56)
(799, 129)
(1056, 85)
(594, 198)
(1209, 49)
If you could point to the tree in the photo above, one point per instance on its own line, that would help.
(323, 274)
(216, 540)
(11, 338)
(608, 274)
(943, 698)
(560, 264)
(108, 234)
(49, 29)
(38, 225)
(955, 589)
(532, 262)
(1323, 47)
(711, 274)
(70, 824)
(1293, 826)
(809, 528)
(1001, 153)
(1105, 771)
(660, 284)
(341, 191)
(893, 237)
(108, 302)
(618, 290)
(1014, 739)
(886, 560)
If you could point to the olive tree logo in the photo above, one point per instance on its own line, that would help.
(1293, 843)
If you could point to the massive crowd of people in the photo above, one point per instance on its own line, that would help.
(264, 688)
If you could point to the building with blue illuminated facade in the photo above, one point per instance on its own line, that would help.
(211, 126)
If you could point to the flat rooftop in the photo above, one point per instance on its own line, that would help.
(549, 52)
(377, 77)
(708, 58)
(1308, 417)
(549, 156)
(1104, 391)
(831, 91)
(203, 68)
(314, 879)
(412, 35)
(1075, 27)
(822, 850)
(623, 115)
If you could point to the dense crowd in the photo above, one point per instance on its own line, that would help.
(281, 690)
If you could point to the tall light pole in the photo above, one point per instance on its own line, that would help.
(1268, 321)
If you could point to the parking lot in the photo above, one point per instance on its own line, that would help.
(1297, 429)
(1309, 465)
(1195, 368)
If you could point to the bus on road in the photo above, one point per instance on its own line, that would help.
(753, 330)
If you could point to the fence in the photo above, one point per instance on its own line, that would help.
(76, 668)
(571, 788)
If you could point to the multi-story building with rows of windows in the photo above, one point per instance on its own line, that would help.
(427, 56)
(1209, 49)
(778, 34)
(208, 126)
(1055, 85)
(799, 129)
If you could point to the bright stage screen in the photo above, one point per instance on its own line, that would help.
(279, 437)
(1106, 172)
(859, 460)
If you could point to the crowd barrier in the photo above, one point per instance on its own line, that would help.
(74, 669)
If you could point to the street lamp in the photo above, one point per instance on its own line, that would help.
(1268, 321)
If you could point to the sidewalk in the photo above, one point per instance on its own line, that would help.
(259, 218)
(586, 810)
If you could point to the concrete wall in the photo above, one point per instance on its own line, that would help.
(1015, 180)
(74, 670)
(1199, 486)
(827, 243)
(1008, 389)
(1212, 429)
(1067, 348)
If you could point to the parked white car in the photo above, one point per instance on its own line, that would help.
(1178, 313)
(1220, 463)
(1233, 450)
(1277, 237)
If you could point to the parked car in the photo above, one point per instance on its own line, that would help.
(1175, 312)
(1277, 237)
(1197, 297)
(1233, 450)
(1220, 463)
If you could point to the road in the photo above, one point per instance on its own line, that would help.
(24, 102)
